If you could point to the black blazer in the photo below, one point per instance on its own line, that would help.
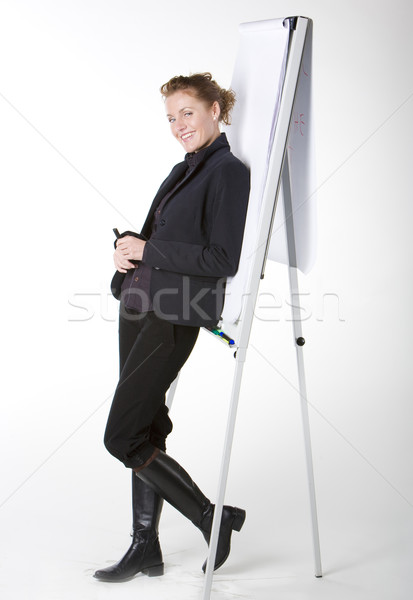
(198, 241)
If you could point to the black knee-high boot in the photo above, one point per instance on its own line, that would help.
(174, 484)
(144, 554)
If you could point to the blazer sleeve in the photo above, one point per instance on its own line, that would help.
(220, 257)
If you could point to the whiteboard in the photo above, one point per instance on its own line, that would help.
(258, 80)
(301, 160)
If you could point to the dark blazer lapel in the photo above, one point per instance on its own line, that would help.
(215, 149)
(175, 175)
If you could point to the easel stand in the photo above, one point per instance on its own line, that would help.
(299, 343)
(278, 173)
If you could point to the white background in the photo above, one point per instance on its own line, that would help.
(84, 145)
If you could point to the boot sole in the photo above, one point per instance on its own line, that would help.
(237, 523)
(155, 571)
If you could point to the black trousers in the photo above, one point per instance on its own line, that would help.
(151, 353)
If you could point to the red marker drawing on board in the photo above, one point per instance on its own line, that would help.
(299, 123)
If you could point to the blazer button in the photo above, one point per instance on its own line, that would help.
(162, 222)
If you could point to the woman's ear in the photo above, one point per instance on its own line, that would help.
(216, 110)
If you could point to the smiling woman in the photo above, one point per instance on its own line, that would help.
(191, 121)
(170, 280)
(190, 103)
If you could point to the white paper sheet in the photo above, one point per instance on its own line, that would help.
(257, 81)
(301, 158)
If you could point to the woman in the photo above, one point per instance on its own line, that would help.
(171, 281)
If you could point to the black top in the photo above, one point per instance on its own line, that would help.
(137, 283)
(197, 242)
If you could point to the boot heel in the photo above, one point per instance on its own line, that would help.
(156, 571)
(239, 519)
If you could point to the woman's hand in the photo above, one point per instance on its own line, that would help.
(128, 248)
(122, 264)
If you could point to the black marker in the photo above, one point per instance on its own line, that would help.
(221, 335)
(116, 232)
(226, 338)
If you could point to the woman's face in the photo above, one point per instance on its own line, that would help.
(193, 124)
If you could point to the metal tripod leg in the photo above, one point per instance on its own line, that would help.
(299, 343)
(229, 436)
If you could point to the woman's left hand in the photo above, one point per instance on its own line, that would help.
(131, 247)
